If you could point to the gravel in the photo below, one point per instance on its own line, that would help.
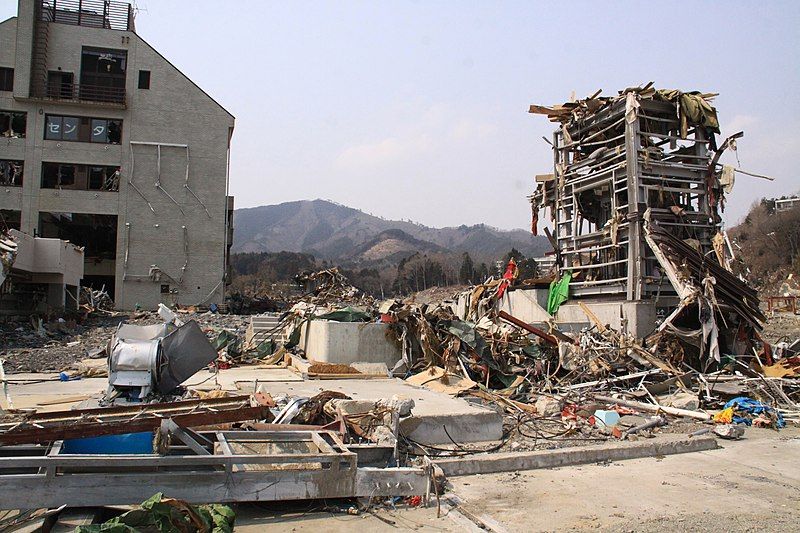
(26, 347)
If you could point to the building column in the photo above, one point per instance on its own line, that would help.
(56, 295)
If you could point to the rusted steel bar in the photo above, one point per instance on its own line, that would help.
(80, 423)
(531, 329)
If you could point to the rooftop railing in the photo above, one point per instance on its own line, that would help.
(92, 13)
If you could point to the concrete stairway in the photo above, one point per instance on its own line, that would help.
(263, 327)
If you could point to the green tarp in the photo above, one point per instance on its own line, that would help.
(346, 314)
(559, 292)
(694, 109)
(229, 340)
(467, 334)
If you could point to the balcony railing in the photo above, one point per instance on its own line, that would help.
(91, 13)
(85, 93)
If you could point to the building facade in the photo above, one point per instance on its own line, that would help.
(103, 142)
(786, 204)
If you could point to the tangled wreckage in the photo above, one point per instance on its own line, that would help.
(640, 323)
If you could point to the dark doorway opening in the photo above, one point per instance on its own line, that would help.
(60, 84)
(98, 236)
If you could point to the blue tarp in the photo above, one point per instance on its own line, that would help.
(752, 407)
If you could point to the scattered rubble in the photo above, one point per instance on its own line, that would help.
(539, 354)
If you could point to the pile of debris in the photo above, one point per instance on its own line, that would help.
(467, 345)
(330, 285)
(95, 300)
(8, 252)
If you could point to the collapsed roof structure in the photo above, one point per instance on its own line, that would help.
(635, 200)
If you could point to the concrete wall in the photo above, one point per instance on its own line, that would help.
(348, 342)
(48, 259)
(633, 318)
(8, 41)
(174, 110)
(529, 305)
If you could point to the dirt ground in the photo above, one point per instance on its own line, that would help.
(782, 327)
(748, 485)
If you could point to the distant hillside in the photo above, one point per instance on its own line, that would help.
(346, 235)
(393, 245)
(767, 248)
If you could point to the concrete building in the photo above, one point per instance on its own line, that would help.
(105, 143)
(786, 204)
(46, 273)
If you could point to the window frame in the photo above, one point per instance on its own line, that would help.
(10, 162)
(11, 113)
(144, 80)
(85, 131)
(6, 79)
(80, 172)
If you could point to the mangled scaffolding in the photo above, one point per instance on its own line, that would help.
(615, 158)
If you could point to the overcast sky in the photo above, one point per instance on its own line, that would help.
(418, 110)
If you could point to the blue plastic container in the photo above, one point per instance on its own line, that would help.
(128, 443)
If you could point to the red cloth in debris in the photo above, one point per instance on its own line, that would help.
(510, 275)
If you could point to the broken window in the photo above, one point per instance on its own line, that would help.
(594, 207)
(13, 124)
(10, 219)
(96, 130)
(80, 177)
(6, 79)
(106, 131)
(96, 233)
(60, 84)
(11, 172)
(104, 178)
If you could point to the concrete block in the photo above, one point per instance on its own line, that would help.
(610, 451)
(682, 400)
(529, 305)
(348, 342)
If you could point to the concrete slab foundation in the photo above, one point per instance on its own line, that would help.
(432, 412)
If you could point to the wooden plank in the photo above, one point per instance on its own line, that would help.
(161, 408)
(65, 399)
(71, 518)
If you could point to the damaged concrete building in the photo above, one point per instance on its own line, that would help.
(635, 200)
(46, 272)
(106, 144)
